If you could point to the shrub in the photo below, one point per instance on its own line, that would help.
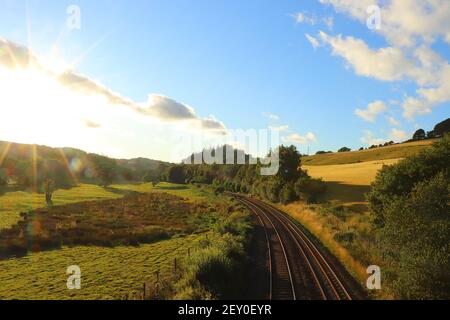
(310, 189)
(288, 194)
(409, 205)
(400, 179)
(344, 149)
(415, 240)
(345, 237)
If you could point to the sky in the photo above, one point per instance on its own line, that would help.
(147, 78)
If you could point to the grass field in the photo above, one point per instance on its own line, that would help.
(13, 203)
(105, 273)
(109, 270)
(132, 220)
(397, 151)
(186, 191)
(348, 183)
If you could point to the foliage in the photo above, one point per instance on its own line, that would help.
(216, 269)
(409, 203)
(416, 240)
(419, 135)
(399, 180)
(344, 149)
(246, 178)
(442, 128)
(176, 174)
(310, 189)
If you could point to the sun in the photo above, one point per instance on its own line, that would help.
(37, 108)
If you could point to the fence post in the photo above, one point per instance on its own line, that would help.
(145, 290)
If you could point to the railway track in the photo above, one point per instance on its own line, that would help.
(298, 270)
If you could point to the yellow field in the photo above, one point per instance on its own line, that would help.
(348, 183)
(397, 151)
(360, 174)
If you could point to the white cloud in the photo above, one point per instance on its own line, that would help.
(397, 135)
(91, 124)
(314, 42)
(296, 138)
(329, 22)
(373, 110)
(411, 28)
(302, 17)
(158, 107)
(369, 139)
(404, 22)
(393, 122)
(279, 128)
(271, 116)
(387, 64)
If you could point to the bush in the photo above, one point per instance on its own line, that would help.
(344, 149)
(288, 194)
(415, 240)
(217, 269)
(345, 237)
(409, 205)
(309, 189)
(399, 180)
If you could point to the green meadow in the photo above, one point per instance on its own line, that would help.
(106, 273)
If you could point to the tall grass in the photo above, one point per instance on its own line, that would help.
(217, 267)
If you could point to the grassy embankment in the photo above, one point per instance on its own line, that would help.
(111, 272)
(341, 220)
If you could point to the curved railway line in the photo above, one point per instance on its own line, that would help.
(297, 268)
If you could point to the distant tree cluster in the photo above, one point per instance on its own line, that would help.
(344, 149)
(28, 166)
(323, 152)
(291, 182)
(410, 205)
(439, 131)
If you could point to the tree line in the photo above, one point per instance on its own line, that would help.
(291, 183)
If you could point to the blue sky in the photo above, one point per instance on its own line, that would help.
(231, 61)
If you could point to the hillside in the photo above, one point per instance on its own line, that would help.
(397, 151)
(66, 166)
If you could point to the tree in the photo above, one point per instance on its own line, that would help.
(409, 204)
(59, 173)
(176, 174)
(344, 149)
(105, 173)
(398, 180)
(289, 164)
(49, 188)
(152, 176)
(442, 128)
(415, 241)
(419, 135)
(288, 194)
(3, 177)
